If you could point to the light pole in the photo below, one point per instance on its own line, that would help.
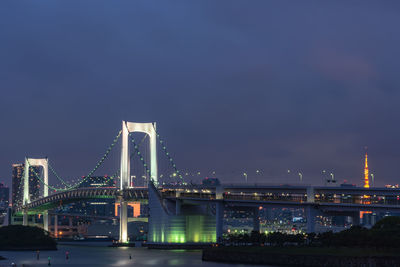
(373, 179)
(301, 176)
(332, 178)
(245, 176)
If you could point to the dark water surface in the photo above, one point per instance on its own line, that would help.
(101, 255)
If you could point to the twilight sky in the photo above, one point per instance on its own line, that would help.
(234, 86)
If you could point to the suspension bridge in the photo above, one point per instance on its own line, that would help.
(186, 213)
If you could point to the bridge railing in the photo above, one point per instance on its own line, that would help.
(266, 197)
(358, 199)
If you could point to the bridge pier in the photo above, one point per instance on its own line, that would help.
(310, 194)
(356, 218)
(56, 226)
(219, 220)
(46, 221)
(310, 213)
(178, 205)
(123, 222)
(25, 218)
(256, 220)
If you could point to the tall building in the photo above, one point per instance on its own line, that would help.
(4, 196)
(18, 183)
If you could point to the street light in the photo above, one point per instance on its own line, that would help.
(333, 178)
(245, 176)
(373, 179)
(301, 176)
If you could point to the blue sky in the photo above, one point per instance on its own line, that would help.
(234, 86)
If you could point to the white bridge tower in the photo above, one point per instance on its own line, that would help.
(127, 128)
(44, 163)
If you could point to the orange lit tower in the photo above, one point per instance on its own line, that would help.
(366, 173)
(366, 199)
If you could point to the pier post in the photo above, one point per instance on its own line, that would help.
(310, 194)
(256, 219)
(178, 204)
(46, 220)
(123, 222)
(25, 218)
(56, 226)
(310, 213)
(219, 220)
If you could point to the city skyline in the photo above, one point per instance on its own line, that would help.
(303, 87)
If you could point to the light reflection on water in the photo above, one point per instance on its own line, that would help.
(96, 255)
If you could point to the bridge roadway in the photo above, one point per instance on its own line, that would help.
(328, 198)
(61, 198)
(348, 201)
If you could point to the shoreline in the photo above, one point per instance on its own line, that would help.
(292, 256)
(28, 248)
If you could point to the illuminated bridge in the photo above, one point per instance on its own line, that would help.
(212, 202)
(73, 196)
(194, 214)
(198, 210)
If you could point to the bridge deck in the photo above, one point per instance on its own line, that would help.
(286, 195)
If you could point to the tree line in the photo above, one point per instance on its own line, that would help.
(384, 234)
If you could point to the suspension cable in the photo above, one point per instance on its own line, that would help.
(136, 147)
(56, 175)
(99, 163)
(164, 148)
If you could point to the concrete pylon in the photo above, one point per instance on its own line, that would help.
(56, 226)
(219, 220)
(25, 217)
(130, 127)
(256, 219)
(123, 222)
(310, 194)
(46, 220)
(311, 213)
